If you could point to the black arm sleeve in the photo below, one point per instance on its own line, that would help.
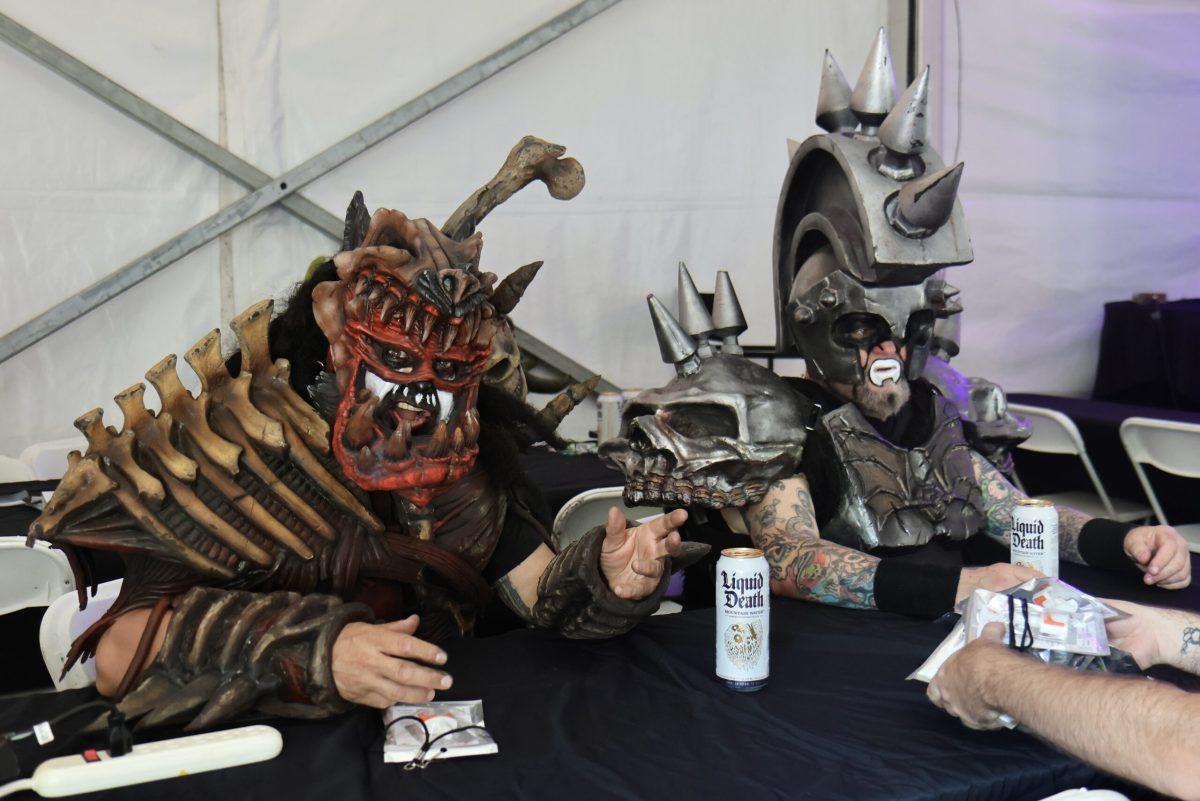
(1102, 544)
(913, 588)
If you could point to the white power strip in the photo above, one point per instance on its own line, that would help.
(166, 759)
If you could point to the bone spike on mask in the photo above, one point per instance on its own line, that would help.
(693, 315)
(513, 287)
(833, 99)
(674, 344)
(925, 204)
(728, 320)
(875, 92)
(561, 404)
(906, 129)
(251, 329)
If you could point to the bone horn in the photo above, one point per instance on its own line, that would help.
(875, 92)
(561, 404)
(530, 159)
(358, 219)
(693, 315)
(508, 293)
(676, 346)
(728, 320)
(833, 99)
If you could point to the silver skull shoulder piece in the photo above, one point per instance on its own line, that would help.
(723, 428)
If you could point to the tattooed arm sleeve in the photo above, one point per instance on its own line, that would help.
(999, 498)
(802, 564)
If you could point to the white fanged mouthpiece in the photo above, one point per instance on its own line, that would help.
(884, 370)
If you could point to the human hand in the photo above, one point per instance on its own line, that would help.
(1161, 554)
(632, 559)
(1138, 634)
(997, 577)
(960, 686)
(378, 664)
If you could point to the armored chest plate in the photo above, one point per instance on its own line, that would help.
(892, 496)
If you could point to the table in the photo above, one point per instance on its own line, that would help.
(1099, 423)
(642, 716)
(1148, 354)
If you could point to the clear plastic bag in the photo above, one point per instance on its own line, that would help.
(420, 733)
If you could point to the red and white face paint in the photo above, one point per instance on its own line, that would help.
(410, 331)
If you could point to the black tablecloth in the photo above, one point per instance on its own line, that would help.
(1148, 354)
(642, 716)
(1099, 423)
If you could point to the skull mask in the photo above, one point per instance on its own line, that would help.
(714, 438)
(721, 430)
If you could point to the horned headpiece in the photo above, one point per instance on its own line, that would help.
(867, 215)
(723, 428)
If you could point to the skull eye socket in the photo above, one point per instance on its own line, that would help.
(703, 420)
(920, 329)
(396, 359)
(449, 370)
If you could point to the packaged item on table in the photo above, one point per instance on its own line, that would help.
(1045, 617)
(421, 733)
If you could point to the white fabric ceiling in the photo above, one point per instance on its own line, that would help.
(679, 112)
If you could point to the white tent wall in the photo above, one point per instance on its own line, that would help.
(1081, 183)
(679, 112)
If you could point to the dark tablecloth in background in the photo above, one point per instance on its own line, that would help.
(642, 717)
(1148, 354)
(1099, 423)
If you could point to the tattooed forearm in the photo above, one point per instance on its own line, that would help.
(512, 599)
(1190, 643)
(802, 564)
(999, 498)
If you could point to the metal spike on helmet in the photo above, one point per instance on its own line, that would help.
(693, 315)
(905, 132)
(676, 346)
(875, 93)
(833, 99)
(728, 320)
(925, 204)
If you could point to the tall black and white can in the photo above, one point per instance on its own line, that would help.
(743, 619)
(1034, 535)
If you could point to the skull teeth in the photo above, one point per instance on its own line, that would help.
(649, 488)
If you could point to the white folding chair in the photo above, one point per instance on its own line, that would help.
(1054, 432)
(1170, 446)
(589, 509)
(31, 576)
(48, 460)
(62, 623)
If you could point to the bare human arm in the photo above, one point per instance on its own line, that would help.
(1140, 730)
(1158, 551)
(803, 565)
(999, 499)
(1154, 635)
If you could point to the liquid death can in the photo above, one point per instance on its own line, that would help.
(1034, 535)
(743, 619)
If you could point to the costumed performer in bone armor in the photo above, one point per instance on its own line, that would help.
(353, 465)
(900, 481)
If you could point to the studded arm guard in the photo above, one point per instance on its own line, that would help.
(227, 651)
(574, 597)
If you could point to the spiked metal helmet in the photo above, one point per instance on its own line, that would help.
(867, 216)
(723, 428)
